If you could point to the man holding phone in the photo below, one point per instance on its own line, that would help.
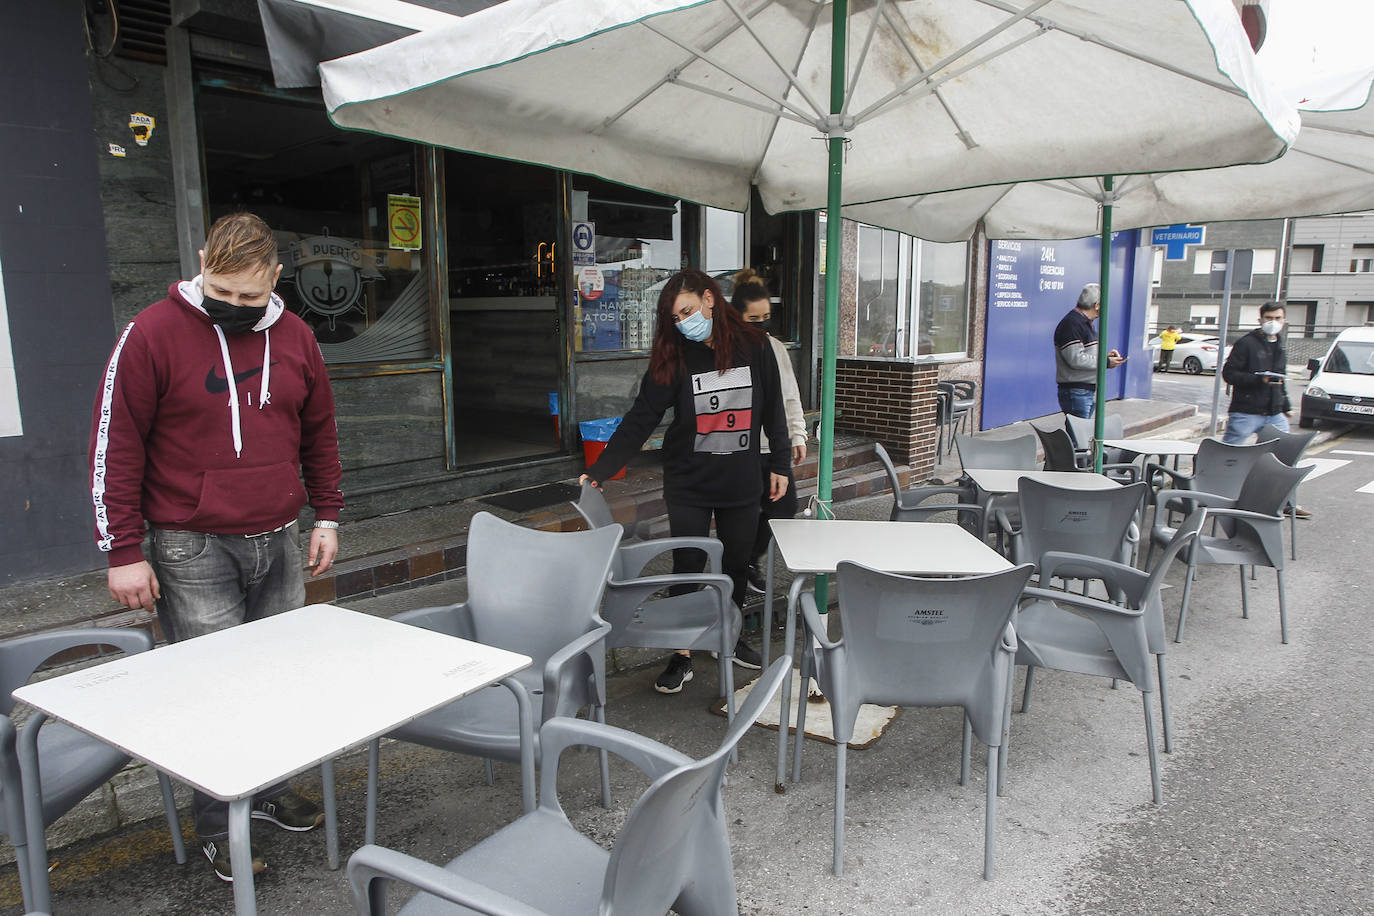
(1075, 362)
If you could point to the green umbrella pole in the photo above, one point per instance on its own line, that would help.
(833, 236)
(1099, 412)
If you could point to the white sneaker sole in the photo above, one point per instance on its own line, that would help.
(271, 819)
(741, 662)
(258, 866)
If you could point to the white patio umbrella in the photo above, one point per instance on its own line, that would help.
(1328, 169)
(702, 100)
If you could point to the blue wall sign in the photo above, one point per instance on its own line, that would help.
(1177, 238)
(1031, 286)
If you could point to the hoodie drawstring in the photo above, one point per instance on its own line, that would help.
(233, 391)
(264, 393)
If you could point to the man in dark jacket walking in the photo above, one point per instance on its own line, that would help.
(1256, 371)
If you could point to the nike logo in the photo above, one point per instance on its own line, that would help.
(217, 384)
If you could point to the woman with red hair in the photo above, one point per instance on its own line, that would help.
(720, 378)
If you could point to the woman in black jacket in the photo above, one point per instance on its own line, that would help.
(720, 378)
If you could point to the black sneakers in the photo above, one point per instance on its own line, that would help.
(289, 811)
(756, 580)
(747, 657)
(678, 672)
(217, 851)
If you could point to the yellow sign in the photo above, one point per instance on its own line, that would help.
(403, 221)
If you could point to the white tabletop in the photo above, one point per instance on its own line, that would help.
(914, 548)
(236, 711)
(999, 481)
(1153, 446)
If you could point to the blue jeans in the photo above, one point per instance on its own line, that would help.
(211, 582)
(1241, 426)
(1081, 402)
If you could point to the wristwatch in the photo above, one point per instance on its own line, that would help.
(325, 523)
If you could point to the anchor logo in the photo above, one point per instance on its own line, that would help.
(329, 273)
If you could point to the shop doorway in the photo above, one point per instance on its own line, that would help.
(504, 333)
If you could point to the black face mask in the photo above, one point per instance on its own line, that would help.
(234, 319)
(766, 325)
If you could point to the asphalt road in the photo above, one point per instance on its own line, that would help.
(1197, 389)
(1267, 795)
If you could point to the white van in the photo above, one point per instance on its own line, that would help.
(1342, 386)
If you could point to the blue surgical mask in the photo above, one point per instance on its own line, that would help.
(695, 326)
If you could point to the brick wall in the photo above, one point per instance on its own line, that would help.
(893, 402)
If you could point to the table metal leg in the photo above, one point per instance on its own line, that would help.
(331, 821)
(766, 618)
(784, 712)
(241, 857)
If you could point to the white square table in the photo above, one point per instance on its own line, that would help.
(813, 547)
(998, 482)
(1164, 448)
(992, 483)
(194, 709)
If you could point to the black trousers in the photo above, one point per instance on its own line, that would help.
(735, 529)
(786, 507)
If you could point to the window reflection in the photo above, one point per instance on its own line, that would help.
(911, 297)
(627, 243)
(331, 198)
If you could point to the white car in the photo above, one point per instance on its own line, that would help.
(1342, 385)
(1193, 353)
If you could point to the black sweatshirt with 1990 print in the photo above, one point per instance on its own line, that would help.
(711, 449)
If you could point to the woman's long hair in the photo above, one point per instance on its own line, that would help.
(729, 333)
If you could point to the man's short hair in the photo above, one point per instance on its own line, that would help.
(1270, 307)
(1090, 297)
(240, 241)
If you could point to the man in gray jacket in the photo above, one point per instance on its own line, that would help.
(1075, 361)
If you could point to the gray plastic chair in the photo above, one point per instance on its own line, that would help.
(1096, 523)
(1015, 454)
(1289, 450)
(958, 398)
(1218, 468)
(706, 620)
(47, 767)
(532, 592)
(1067, 632)
(910, 505)
(1251, 530)
(1081, 431)
(944, 422)
(1061, 456)
(672, 852)
(955, 650)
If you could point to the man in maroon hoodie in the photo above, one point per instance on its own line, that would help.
(214, 403)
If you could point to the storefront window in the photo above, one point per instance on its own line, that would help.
(626, 244)
(941, 279)
(911, 298)
(348, 211)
